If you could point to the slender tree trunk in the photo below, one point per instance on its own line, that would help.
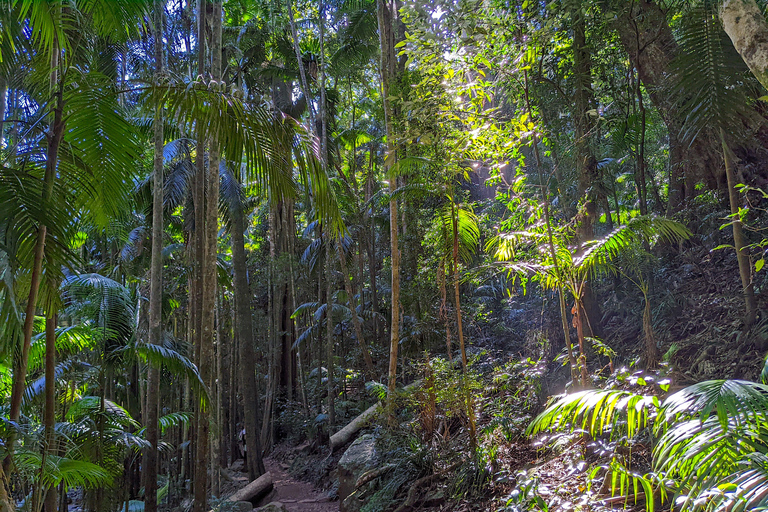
(641, 179)
(244, 330)
(198, 242)
(329, 331)
(441, 278)
(47, 496)
(3, 102)
(50, 402)
(457, 295)
(387, 14)
(150, 458)
(551, 241)
(739, 241)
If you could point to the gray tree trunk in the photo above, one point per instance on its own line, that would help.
(149, 462)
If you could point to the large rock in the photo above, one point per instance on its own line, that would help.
(275, 506)
(242, 506)
(360, 457)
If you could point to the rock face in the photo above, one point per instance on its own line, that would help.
(275, 506)
(359, 458)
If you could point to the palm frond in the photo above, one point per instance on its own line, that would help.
(600, 253)
(177, 364)
(598, 412)
(743, 402)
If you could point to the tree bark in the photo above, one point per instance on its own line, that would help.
(244, 329)
(209, 277)
(387, 15)
(150, 457)
(746, 26)
(589, 174)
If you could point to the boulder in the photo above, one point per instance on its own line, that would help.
(357, 459)
(275, 506)
(242, 506)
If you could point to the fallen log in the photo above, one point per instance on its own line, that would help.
(344, 435)
(254, 490)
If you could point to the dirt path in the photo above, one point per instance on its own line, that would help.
(295, 495)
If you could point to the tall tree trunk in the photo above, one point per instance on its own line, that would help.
(209, 277)
(739, 241)
(244, 330)
(198, 239)
(589, 175)
(387, 15)
(150, 457)
(329, 331)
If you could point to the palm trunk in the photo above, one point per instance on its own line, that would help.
(42, 496)
(457, 296)
(739, 242)
(209, 276)
(150, 458)
(3, 101)
(441, 278)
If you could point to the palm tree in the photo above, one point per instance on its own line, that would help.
(89, 151)
(573, 267)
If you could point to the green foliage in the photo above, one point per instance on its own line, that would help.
(711, 446)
